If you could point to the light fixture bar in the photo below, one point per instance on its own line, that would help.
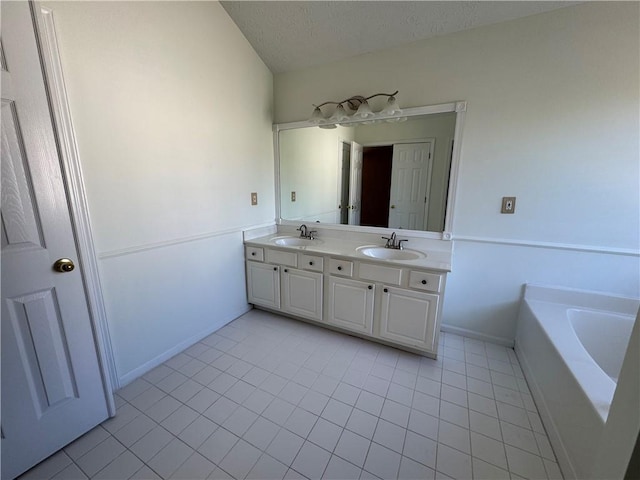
(359, 105)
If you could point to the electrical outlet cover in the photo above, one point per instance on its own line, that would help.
(508, 205)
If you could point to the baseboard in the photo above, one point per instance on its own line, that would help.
(163, 357)
(506, 342)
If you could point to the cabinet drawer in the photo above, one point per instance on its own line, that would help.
(379, 273)
(340, 267)
(431, 282)
(311, 262)
(280, 257)
(254, 253)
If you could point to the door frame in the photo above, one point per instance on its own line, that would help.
(76, 195)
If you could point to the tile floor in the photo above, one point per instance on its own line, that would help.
(268, 397)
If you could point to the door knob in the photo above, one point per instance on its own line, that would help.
(393, 206)
(63, 265)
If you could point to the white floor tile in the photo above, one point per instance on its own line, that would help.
(524, 463)
(198, 431)
(285, 446)
(395, 413)
(224, 413)
(411, 470)
(261, 433)
(389, 435)
(100, 456)
(453, 413)
(353, 448)
(382, 461)
(423, 424)
(311, 460)
(488, 449)
(267, 468)
(454, 436)
(325, 434)
(301, 422)
(240, 459)
(278, 411)
(218, 445)
(154, 441)
(169, 459)
(338, 412)
(339, 469)
(420, 448)
(453, 463)
(362, 423)
(124, 466)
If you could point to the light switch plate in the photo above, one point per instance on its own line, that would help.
(254, 198)
(508, 205)
(293, 196)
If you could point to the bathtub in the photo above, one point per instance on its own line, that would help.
(571, 346)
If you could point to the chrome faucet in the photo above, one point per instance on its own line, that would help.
(394, 242)
(304, 231)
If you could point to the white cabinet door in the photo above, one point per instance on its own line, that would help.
(351, 304)
(302, 293)
(263, 284)
(408, 317)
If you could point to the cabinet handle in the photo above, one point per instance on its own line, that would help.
(275, 269)
(253, 254)
(424, 282)
(286, 270)
(339, 267)
(310, 263)
(370, 287)
(386, 290)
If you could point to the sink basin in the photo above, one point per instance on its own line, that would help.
(295, 241)
(390, 253)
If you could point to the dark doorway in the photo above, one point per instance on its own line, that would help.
(376, 185)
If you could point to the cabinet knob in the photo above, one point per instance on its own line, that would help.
(286, 270)
(339, 267)
(310, 263)
(370, 287)
(386, 290)
(424, 282)
(275, 269)
(253, 254)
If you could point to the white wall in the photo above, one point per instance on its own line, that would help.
(172, 110)
(552, 118)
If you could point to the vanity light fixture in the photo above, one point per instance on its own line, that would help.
(360, 110)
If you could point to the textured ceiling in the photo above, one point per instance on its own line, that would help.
(291, 35)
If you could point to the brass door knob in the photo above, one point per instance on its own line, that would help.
(63, 265)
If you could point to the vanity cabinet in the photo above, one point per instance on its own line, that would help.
(408, 317)
(302, 293)
(263, 284)
(391, 302)
(351, 304)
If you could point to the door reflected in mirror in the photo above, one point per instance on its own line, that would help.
(393, 175)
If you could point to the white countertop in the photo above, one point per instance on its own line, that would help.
(439, 260)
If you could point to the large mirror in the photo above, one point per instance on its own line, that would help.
(395, 175)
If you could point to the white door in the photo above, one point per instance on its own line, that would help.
(263, 284)
(410, 180)
(302, 293)
(408, 317)
(351, 304)
(355, 188)
(52, 390)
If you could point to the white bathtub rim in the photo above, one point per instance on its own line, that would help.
(587, 299)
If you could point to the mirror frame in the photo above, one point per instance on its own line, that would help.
(459, 108)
